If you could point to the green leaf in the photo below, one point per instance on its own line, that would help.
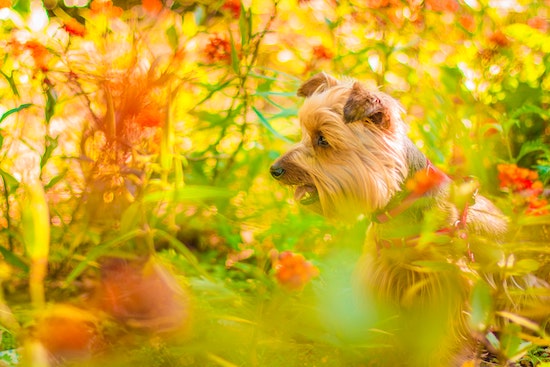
(234, 55)
(187, 193)
(173, 38)
(14, 110)
(9, 180)
(99, 251)
(268, 126)
(51, 101)
(482, 306)
(55, 180)
(13, 259)
(11, 82)
(23, 7)
(245, 25)
(51, 144)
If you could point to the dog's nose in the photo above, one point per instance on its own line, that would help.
(277, 171)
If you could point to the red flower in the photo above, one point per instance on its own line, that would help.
(293, 271)
(517, 179)
(234, 6)
(321, 52)
(74, 28)
(218, 49)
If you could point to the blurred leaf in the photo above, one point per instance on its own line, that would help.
(13, 259)
(14, 110)
(51, 101)
(10, 181)
(266, 123)
(35, 221)
(11, 82)
(482, 305)
(173, 38)
(51, 144)
(187, 193)
(101, 250)
(521, 321)
(55, 180)
(23, 7)
(235, 63)
(529, 36)
(245, 24)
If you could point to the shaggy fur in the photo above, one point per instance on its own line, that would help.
(353, 161)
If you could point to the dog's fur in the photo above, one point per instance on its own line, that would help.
(354, 160)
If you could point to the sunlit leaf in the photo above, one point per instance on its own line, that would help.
(266, 123)
(187, 193)
(51, 144)
(482, 306)
(235, 63)
(13, 259)
(173, 38)
(51, 101)
(14, 110)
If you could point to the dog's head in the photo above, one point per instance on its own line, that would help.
(353, 154)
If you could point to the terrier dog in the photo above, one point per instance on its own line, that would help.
(355, 160)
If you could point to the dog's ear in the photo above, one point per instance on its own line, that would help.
(316, 84)
(364, 105)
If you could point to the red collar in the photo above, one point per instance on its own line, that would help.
(435, 178)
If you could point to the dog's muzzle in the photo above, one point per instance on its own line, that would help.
(305, 194)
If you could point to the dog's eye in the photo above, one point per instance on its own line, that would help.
(322, 141)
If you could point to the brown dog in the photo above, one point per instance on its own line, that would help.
(355, 160)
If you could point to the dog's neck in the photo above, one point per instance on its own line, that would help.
(410, 206)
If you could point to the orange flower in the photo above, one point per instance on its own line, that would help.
(516, 179)
(150, 117)
(105, 7)
(39, 53)
(425, 180)
(468, 22)
(234, 6)
(218, 49)
(442, 5)
(377, 4)
(144, 295)
(538, 23)
(152, 6)
(537, 206)
(321, 52)
(293, 271)
(499, 39)
(5, 4)
(68, 332)
(74, 28)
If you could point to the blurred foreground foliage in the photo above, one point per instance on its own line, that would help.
(138, 220)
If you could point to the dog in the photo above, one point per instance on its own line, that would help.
(355, 160)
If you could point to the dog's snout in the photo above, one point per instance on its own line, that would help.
(277, 171)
